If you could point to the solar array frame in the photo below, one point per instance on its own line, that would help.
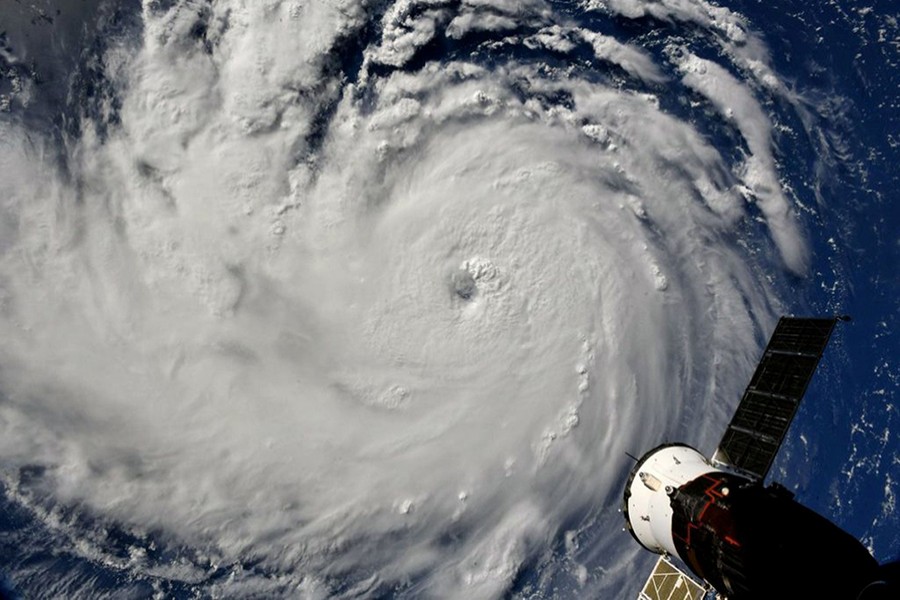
(773, 396)
(668, 582)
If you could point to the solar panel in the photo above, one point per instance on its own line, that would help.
(667, 582)
(771, 399)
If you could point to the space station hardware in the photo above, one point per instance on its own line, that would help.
(742, 538)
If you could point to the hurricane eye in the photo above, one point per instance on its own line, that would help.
(462, 285)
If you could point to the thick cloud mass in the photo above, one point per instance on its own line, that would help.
(358, 301)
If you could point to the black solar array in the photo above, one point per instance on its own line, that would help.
(762, 418)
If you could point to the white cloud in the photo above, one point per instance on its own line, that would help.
(401, 330)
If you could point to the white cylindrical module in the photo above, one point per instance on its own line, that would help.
(647, 506)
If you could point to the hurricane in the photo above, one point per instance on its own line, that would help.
(364, 299)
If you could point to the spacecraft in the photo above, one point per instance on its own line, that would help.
(742, 539)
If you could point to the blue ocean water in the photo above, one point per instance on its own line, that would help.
(842, 454)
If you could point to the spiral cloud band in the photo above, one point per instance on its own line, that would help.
(352, 299)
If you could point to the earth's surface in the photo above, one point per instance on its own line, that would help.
(371, 299)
